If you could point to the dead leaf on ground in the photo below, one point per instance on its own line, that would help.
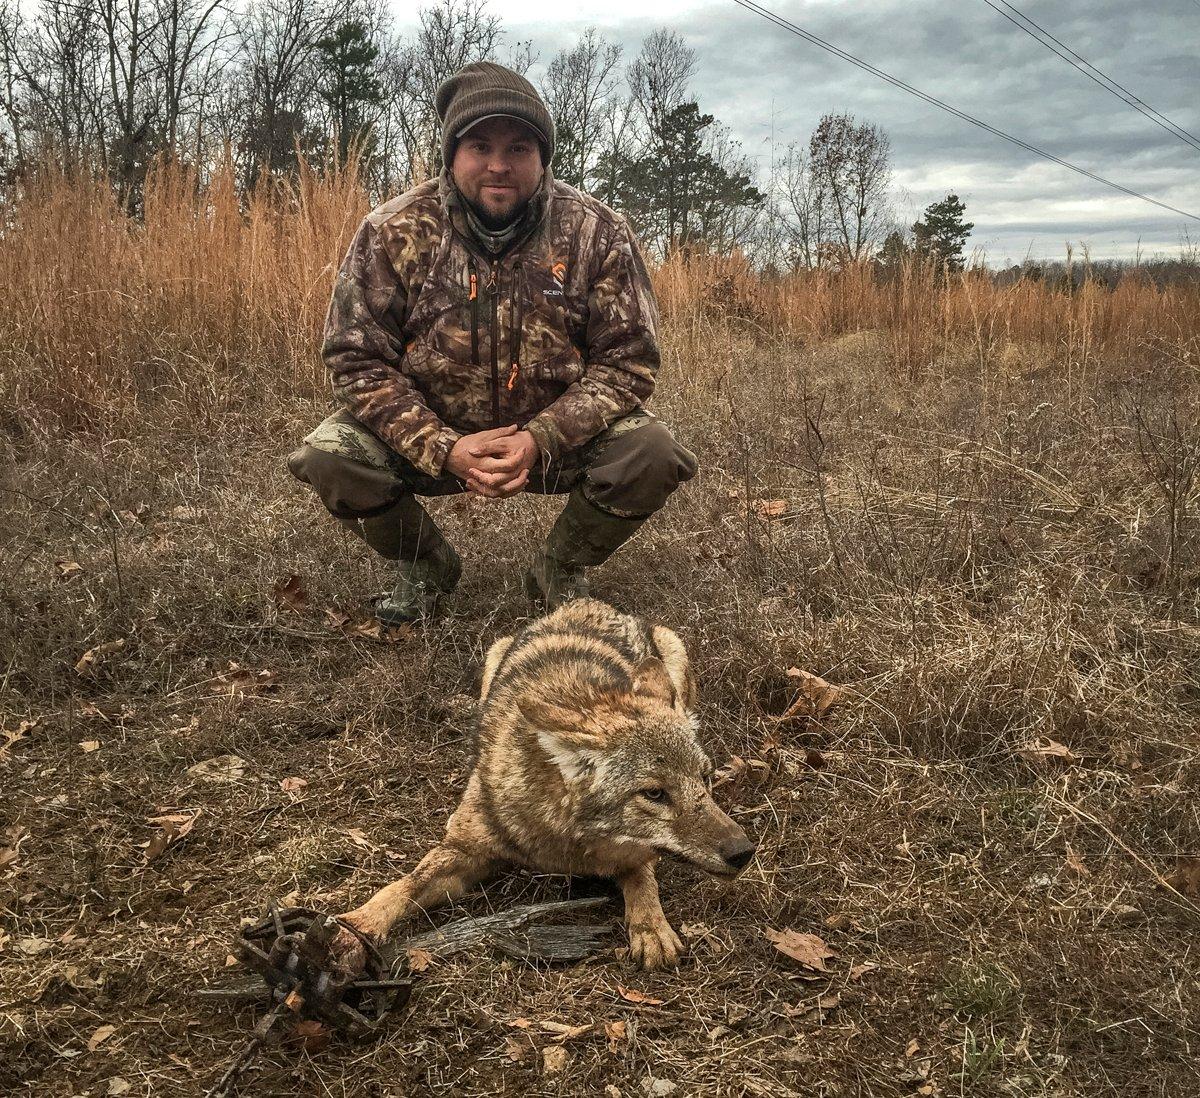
(808, 949)
(418, 959)
(314, 1035)
(21, 732)
(93, 657)
(359, 837)
(555, 1058)
(67, 570)
(117, 1086)
(237, 681)
(31, 947)
(172, 828)
(88, 746)
(912, 1048)
(220, 768)
(1043, 751)
(185, 514)
(290, 594)
(769, 508)
(632, 995)
(857, 972)
(371, 629)
(815, 698)
(293, 785)
(1186, 878)
(335, 619)
(99, 1036)
(516, 1049)
(1075, 864)
(616, 1032)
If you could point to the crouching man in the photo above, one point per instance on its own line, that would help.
(492, 331)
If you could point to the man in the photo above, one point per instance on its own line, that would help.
(492, 330)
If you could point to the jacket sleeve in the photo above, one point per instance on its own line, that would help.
(621, 358)
(363, 350)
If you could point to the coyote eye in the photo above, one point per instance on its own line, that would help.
(655, 793)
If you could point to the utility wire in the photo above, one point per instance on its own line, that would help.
(1090, 71)
(779, 21)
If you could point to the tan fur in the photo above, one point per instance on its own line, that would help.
(588, 763)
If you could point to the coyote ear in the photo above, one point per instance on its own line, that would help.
(650, 680)
(679, 668)
(566, 725)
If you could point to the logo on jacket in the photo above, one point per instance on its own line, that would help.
(558, 272)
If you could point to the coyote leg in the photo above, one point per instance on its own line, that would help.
(443, 875)
(652, 942)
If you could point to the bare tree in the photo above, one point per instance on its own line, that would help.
(850, 166)
(579, 84)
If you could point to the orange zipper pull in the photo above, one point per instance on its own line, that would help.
(512, 377)
(474, 287)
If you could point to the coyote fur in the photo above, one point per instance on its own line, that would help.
(587, 762)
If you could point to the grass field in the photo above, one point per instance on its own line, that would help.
(974, 509)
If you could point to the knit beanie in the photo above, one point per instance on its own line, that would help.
(482, 90)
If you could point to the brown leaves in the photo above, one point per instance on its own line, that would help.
(238, 681)
(88, 746)
(220, 768)
(173, 827)
(769, 508)
(21, 732)
(99, 1036)
(91, 660)
(555, 1059)
(816, 696)
(1045, 752)
(1186, 878)
(632, 995)
(807, 949)
(65, 570)
(418, 959)
(290, 594)
(293, 785)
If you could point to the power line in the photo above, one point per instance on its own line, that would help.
(779, 21)
(1089, 70)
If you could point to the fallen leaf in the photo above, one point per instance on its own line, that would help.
(236, 680)
(31, 947)
(808, 949)
(615, 1031)
(117, 1086)
(815, 698)
(516, 1049)
(8, 856)
(730, 772)
(20, 733)
(102, 1034)
(371, 629)
(173, 827)
(314, 1035)
(291, 785)
(289, 594)
(68, 570)
(1186, 878)
(220, 768)
(1044, 752)
(1075, 864)
(554, 1059)
(185, 514)
(912, 1048)
(632, 995)
(88, 746)
(359, 837)
(335, 619)
(658, 1088)
(93, 657)
(770, 508)
(857, 972)
(419, 959)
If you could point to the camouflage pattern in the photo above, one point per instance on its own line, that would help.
(428, 338)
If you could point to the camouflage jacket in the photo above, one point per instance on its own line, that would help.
(429, 338)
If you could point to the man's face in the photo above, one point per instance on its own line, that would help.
(498, 168)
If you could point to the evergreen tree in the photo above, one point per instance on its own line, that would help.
(349, 85)
(942, 234)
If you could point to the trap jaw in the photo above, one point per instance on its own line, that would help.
(290, 948)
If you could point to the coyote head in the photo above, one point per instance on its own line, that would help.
(635, 768)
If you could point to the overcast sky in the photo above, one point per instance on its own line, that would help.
(759, 79)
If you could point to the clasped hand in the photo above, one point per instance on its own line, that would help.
(495, 463)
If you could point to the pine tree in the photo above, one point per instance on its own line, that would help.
(942, 234)
(349, 86)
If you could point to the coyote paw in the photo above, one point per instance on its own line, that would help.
(654, 945)
(347, 952)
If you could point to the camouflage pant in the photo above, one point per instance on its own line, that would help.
(628, 470)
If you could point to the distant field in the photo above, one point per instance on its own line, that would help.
(974, 508)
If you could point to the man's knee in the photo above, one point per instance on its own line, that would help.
(637, 471)
(349, 489)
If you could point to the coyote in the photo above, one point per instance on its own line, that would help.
(587, 762)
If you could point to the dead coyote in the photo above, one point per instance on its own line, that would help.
(588, 763)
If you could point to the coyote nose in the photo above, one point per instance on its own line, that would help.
(738, 855)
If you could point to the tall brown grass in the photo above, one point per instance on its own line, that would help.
(211, 298)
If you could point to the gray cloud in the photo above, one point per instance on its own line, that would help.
(762, 81)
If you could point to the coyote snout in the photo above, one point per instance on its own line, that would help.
(588, 762)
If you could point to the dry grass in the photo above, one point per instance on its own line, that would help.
(990, 538)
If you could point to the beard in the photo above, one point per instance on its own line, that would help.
(494, 223)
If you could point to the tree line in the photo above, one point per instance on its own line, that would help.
(109, 86)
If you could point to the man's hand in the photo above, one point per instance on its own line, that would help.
(494, 464)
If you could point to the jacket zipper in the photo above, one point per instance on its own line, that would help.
(514, 334)
(494, 286)
(474, 315)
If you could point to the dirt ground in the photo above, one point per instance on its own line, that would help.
(989, 830)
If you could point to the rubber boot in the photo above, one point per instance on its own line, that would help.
(426, 564)
(583, 537)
